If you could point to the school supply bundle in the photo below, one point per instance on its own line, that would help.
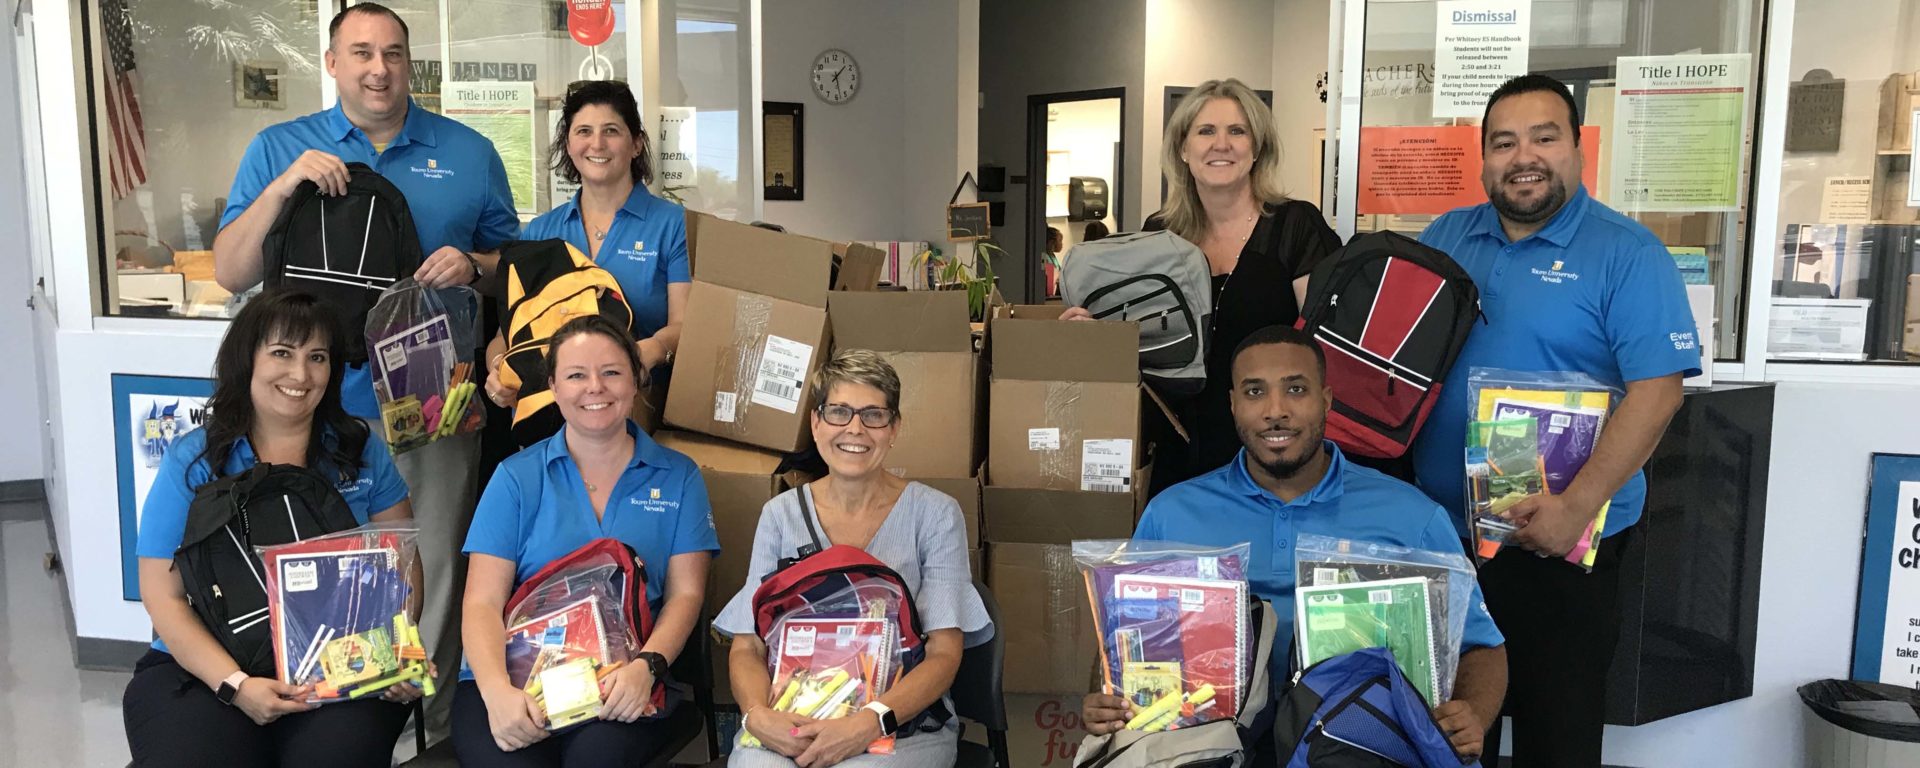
(587, 611)
(340, 611)
(1173, 627)
(1503, 468)
(223, 576)
(833, 656)
(1568, 410)
(1360, 594)
(345, 249)
(421, 346)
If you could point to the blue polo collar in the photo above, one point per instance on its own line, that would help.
(1329, 488)
(417, 128)
(645, 450)
(639, 201)
(1559, 230)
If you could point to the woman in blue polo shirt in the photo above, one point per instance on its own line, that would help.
(276, 398)
(601, 145)
(598, 477)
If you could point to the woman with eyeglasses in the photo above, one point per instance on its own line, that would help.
(915, 530)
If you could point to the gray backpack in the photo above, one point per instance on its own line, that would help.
(1218, 744)
(1155, 279)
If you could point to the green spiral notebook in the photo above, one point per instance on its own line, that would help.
(1331, 620)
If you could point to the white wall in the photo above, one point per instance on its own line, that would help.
(1299, 56)
(1823, 436)
(19, 457)
(1087, 131)
(1188, 43)
(942, 139)
(854, 151)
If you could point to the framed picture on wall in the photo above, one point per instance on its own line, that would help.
(256, 85)
(150, 414)
(784, 126)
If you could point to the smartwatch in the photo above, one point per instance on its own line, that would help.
(888, 724)
(656, 664)
(230, 688)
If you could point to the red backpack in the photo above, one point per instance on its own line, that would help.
(598, 562)
(819, 573)
(1391, 315)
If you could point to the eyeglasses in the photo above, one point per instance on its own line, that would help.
(871, 417)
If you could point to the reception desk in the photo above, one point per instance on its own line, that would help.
(1690, 581)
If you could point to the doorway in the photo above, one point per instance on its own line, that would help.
(1075, 163)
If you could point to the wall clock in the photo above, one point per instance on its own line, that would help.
(836, 76)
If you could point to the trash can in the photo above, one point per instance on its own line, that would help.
(1861, 725)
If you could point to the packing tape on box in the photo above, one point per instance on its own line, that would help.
(1066, 598)
(1063, 408)
(735, 369)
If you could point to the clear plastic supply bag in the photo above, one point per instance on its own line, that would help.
(1569, 411)
(1361, 594)
(570, 627)
(420, 349)
(342, 611)
(834, 656)
(1173, 627)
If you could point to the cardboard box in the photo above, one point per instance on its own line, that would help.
(1037, 516)
(1044, 616)
(1042, 731)
(740, 482)
(1057, 386)
(756, 329)
(926, 337)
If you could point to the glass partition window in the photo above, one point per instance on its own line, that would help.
(180, 87)
(1667, 93)
(1847, 262)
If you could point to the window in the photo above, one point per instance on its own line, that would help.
(179, 89)
(1667, 93)
(1847, 265)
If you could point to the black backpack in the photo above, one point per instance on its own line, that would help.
(225, 581)
(1392, 315)
(345, 250)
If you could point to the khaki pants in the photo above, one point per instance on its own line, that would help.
(443, 482)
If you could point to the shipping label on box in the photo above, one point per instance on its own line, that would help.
(1063, 405)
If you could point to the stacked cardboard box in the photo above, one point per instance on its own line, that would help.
(1063, 462)
(756, 328)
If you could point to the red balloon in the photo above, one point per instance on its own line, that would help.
(590, 21)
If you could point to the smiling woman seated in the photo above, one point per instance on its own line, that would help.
(915, 530)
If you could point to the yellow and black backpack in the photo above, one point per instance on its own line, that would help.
(548, 283)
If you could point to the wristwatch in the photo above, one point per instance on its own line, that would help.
(888, 724)
(475, 263)
(656, 664)
(230, 687)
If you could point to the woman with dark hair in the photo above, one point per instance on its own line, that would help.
(598, 477)
(276, 399)
(600, 143)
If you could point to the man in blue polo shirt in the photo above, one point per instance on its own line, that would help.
(1289, 480)
(456, 188)
(1567, 284)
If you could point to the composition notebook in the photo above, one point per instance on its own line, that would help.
(1333, 620)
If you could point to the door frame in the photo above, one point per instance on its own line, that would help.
(1037, 178)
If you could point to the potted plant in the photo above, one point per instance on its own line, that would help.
(975, 275)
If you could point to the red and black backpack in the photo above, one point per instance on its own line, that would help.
(597, 562)
(818, 573)
(1391, 315)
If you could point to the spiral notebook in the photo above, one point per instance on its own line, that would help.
(1333, 620)
(1195, 629)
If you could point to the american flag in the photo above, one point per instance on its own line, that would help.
(127, 155)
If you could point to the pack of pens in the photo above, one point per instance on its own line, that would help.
(1173, 628)
(834, 656)
(420, 347)
(342, 611)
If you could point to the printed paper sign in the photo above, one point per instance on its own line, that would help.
(1678, 125)
(783, 372)
(1478, 44)
(1847, 200)
(1106, 465)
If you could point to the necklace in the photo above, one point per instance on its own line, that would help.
(591, 488)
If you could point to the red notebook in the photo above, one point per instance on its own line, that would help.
(574, 631)
(1198, 624)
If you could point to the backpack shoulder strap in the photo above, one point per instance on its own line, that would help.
(807, 517)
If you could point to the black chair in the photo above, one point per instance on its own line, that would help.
(978, 694)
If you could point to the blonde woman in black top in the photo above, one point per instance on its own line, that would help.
(1221, 160)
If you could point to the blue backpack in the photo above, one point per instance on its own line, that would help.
(1359, 711)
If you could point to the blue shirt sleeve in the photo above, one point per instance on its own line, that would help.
(496, 519)
(675, 250)
(1149, 528)
(693, 529)
(498, 221)
(377, 465)
(163, 516)
(1440, 536)
(1649, 323)
(249, 180)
